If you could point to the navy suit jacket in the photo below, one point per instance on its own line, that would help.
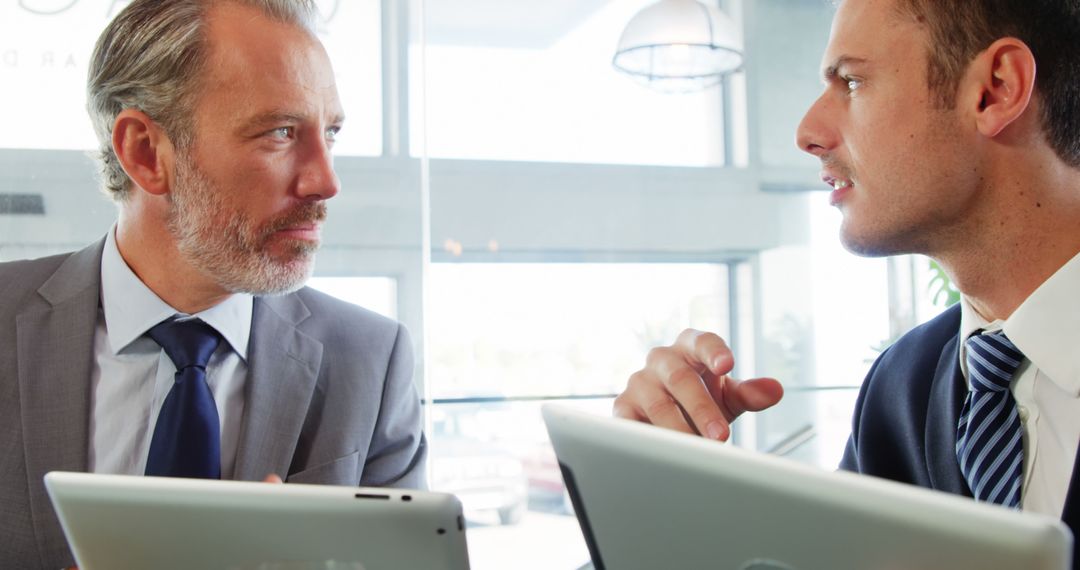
(904, 425)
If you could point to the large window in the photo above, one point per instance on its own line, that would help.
(378, 294)
(556, 329)
(534, 82)
(45, 47)
(574, 217)
(506, 337)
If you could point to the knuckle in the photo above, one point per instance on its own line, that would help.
(656, 354)
(661, 407)
(636, 380)
(683, 378)
(687, 336)
(707, 341)
(703, 412)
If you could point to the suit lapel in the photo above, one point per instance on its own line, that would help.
(943, 414)
(283, 366)
(55, 348)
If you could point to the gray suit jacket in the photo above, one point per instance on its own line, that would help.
(329, 396)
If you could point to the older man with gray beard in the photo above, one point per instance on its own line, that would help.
(184, 342)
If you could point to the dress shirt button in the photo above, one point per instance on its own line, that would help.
(1023, 412)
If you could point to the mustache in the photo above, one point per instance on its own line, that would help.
(832, 164)
(303, 214)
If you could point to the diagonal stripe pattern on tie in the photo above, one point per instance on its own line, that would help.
(187, 440)
(989, 443)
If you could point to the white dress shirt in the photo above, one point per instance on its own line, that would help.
(132, 374)
(1046, 328)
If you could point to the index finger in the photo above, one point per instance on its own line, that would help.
(705, 352)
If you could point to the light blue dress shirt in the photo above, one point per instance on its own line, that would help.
(132, 374)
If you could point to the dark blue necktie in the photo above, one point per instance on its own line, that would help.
(989, 444)
(187, 440)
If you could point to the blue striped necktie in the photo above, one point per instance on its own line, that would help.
(187, 441)
(989, 445)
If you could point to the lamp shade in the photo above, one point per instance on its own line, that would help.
(679, 45)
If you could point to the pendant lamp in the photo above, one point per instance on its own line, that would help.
(679, 46)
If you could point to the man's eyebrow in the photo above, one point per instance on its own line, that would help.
(830, 72)
(274, 118)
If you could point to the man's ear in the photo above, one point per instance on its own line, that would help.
(144, 151)
(1002, 80)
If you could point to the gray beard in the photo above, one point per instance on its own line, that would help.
(226, 245)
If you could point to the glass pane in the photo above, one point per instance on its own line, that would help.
(45, 46)
(351, 32)
(851, 303)
(497, 459)
(377, 294)
(532, 81)
(809, 425)
(825, 312)
(934, 291)
(527, 329)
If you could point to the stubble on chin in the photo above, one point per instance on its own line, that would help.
(884, 237)
(225, 244)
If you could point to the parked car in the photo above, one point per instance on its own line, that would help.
(483, 475)
(547, 492)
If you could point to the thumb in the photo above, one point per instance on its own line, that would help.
(752, 395)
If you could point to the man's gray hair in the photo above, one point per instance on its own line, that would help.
(151, 58)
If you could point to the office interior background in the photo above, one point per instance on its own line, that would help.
(537, 219)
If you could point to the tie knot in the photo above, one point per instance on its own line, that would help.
(992, 359)
(188, 342)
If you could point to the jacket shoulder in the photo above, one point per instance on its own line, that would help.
(20, 280)
(322, 304)
(938, 329)
(925, 341)
(889, 422)
(334, 319)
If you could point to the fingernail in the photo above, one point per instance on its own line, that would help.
(716, 430)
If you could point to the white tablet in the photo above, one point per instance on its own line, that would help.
(650, 498)
(115, 522)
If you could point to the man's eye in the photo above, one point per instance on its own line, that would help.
(331, 133)
(852, 84)
(282, 132)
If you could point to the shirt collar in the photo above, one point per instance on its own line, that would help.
(131, 308)
(971, 322)
(1044, 327)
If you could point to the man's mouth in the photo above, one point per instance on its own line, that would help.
(303, 223)
(836, 182)
(840, 187)
(307, 232)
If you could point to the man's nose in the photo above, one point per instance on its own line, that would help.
(318, 180)
(816, 134)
